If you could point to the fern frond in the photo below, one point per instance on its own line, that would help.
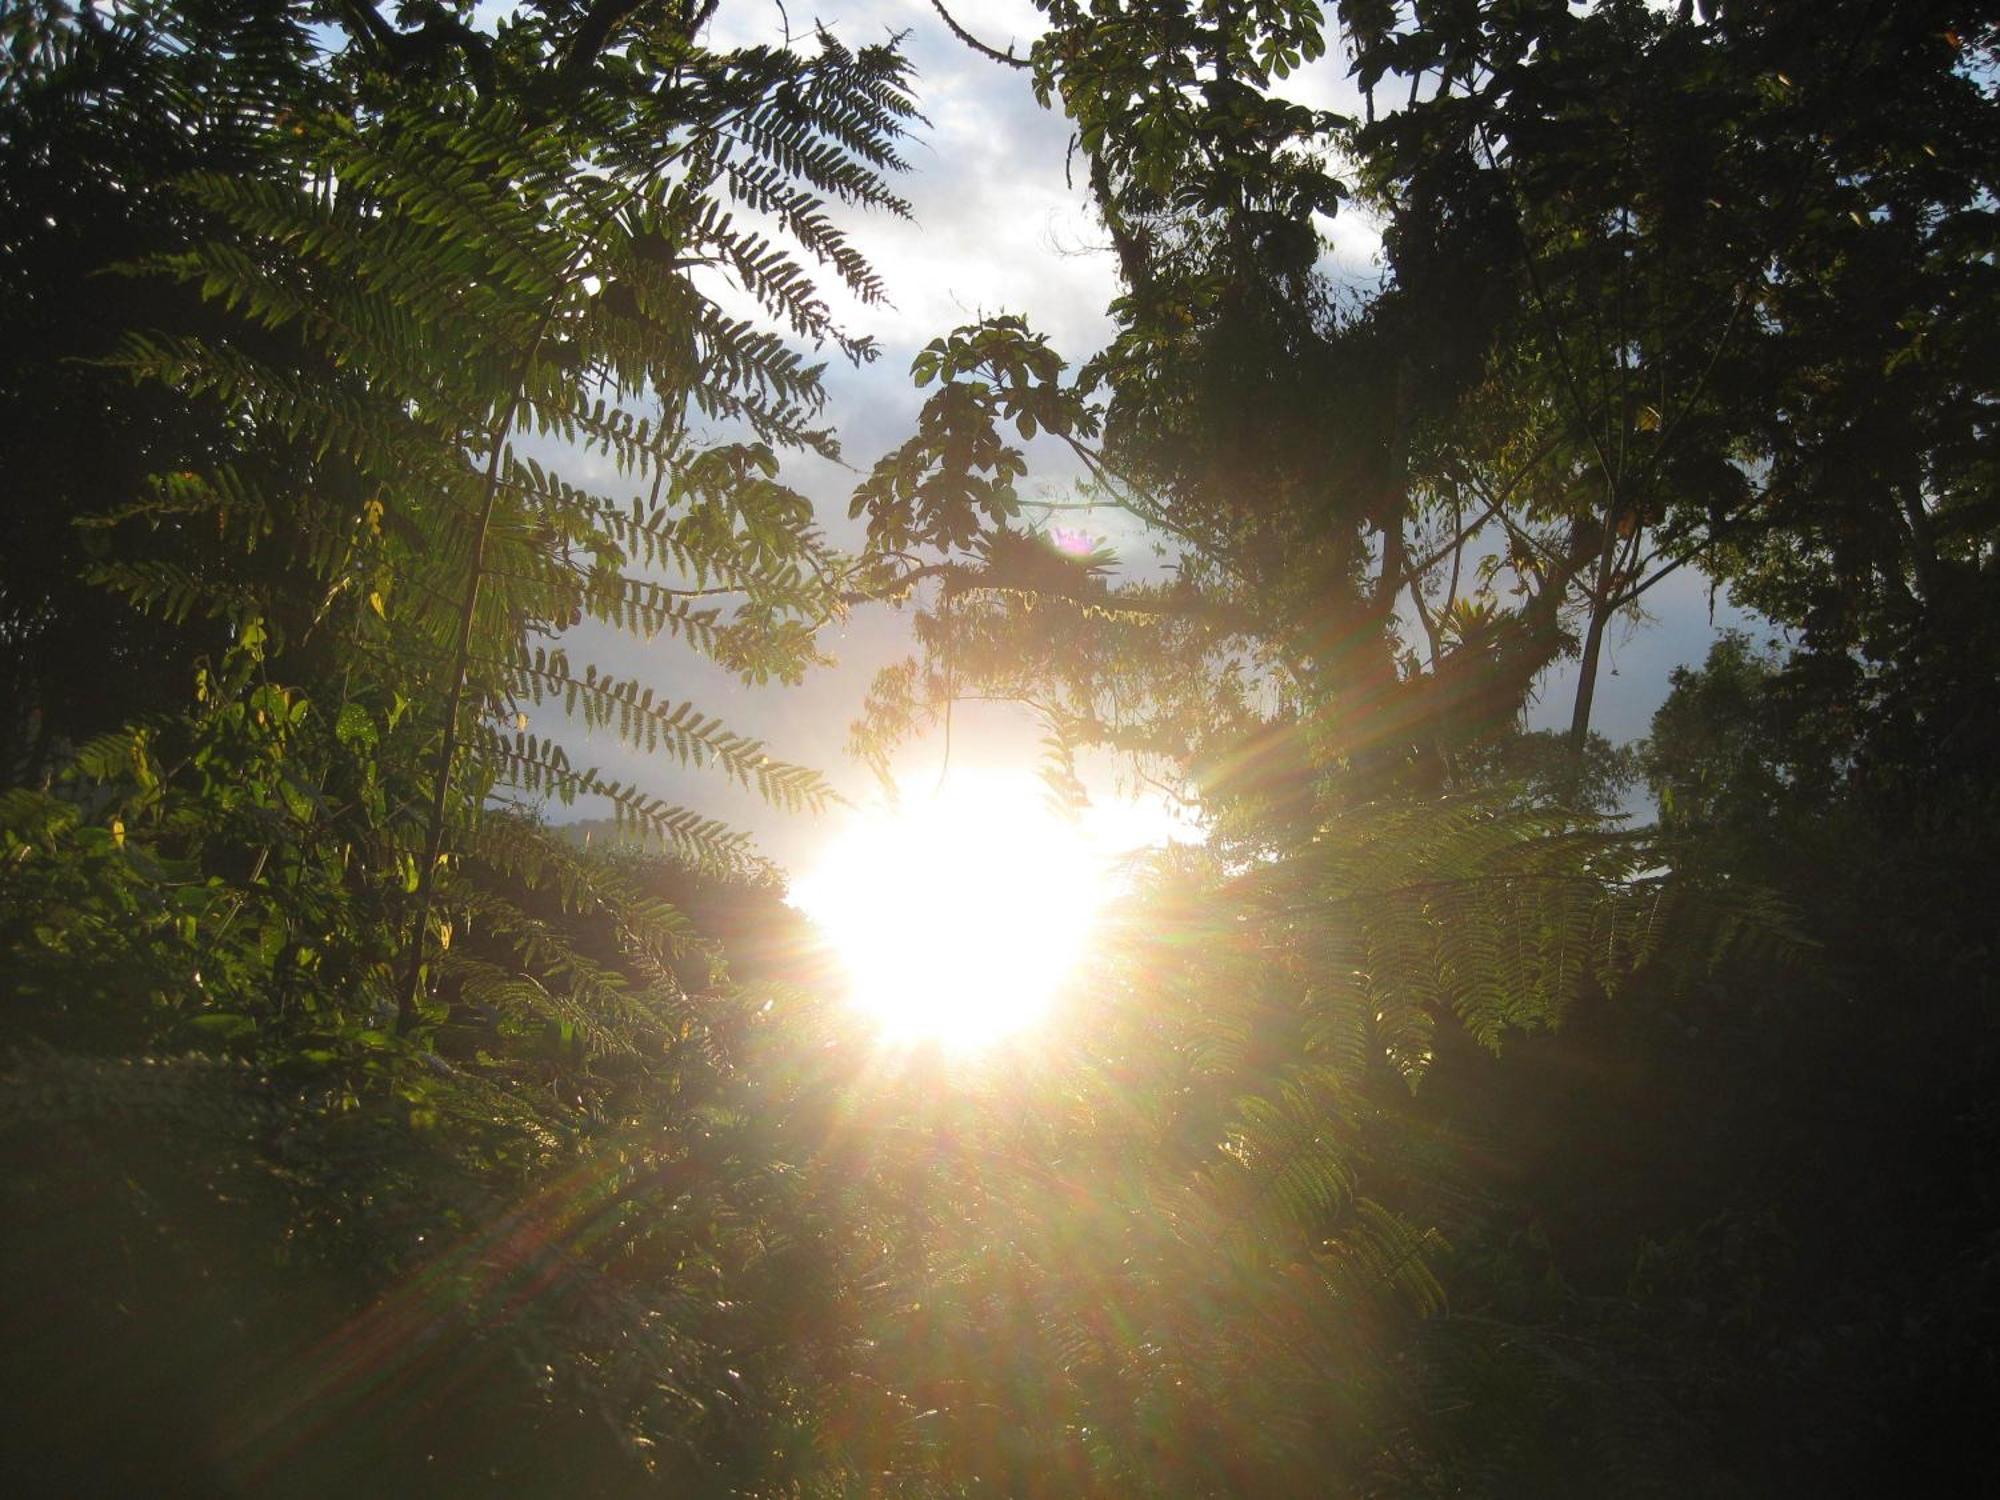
(537, 766)
(657, 725)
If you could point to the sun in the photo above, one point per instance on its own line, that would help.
(959, 915)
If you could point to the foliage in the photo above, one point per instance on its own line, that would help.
(1600, 353)
(405, 257)
(412, 555)
(96, 125)
(1598, 357)
(1428, 1130)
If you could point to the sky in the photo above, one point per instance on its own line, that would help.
(996, 227)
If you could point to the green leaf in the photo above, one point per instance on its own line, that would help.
(355, 728)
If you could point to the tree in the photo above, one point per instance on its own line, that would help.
(1687, 198)
(419, 555)
(1583, 354)
(450, 1031)
(96, 127)
(1605, 236)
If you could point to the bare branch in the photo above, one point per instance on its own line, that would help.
(975, 44)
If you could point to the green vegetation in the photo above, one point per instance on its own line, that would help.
(1430, 1129)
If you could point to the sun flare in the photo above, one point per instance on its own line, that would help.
(959, 915)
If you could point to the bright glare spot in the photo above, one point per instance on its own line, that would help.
(959, 915)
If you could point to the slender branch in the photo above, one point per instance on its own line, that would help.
(1714, 536)
(1123, 490)
(1432, 634)
(1172, 794)
(1069, 505)
(406, 1000)
(1007, 57)
(1495, 500)
(1632, 594)
(1457, 562)
(950, 698)
(1554, 329)
(1671, 429)
(1505, 878)
(1534, 547)
(656, 590)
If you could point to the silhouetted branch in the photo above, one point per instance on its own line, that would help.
(975, 44)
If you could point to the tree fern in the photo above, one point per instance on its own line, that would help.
(440, 282)
(419, 271)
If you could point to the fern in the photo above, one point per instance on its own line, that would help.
(456, 1031)
(460, 277)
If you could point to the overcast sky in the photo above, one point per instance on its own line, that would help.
(997, 228)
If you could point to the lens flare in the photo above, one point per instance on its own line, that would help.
(958, 916)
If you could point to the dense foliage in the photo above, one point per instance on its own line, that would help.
(1434, 1128)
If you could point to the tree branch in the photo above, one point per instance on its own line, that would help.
(594, 31)
(1553, 327)
(1007, 57)
(395, 50)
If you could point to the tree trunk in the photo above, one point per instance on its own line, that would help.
(1593, 637)
(1586, 685)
